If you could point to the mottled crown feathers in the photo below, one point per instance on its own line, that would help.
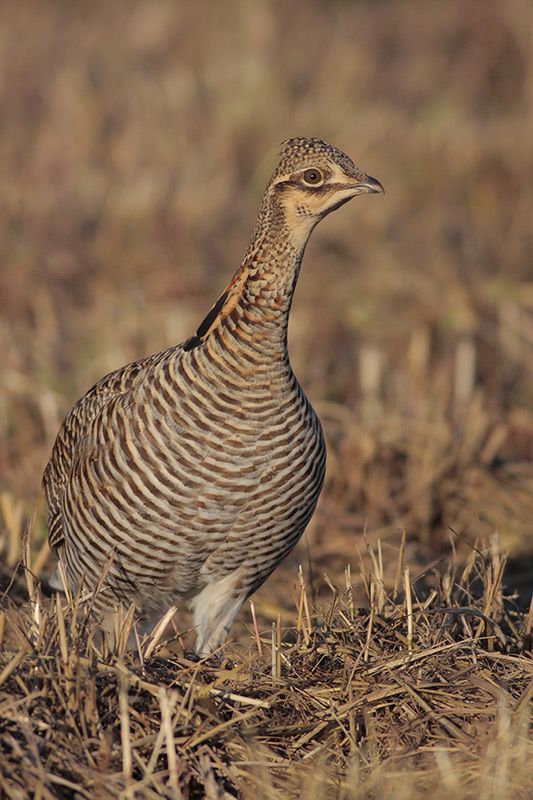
(301, 152)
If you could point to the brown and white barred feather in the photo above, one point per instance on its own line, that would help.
(192, 473)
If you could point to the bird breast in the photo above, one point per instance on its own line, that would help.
(192, 474)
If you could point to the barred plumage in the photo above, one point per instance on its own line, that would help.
(190, 474)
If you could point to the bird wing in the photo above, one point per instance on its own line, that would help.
(74, 430)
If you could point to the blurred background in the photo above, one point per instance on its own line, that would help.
(136, 139)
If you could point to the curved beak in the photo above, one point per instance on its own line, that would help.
(364, 186)
(369, 184)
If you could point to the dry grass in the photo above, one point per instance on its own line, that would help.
(134, 149)
(408, 696)
(136, 139)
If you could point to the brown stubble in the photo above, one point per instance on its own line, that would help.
(406, 696)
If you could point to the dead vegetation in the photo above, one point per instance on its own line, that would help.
(133, 150)
(410, 695)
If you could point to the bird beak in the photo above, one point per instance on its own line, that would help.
(368, 185)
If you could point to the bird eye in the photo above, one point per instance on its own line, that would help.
(313, 177)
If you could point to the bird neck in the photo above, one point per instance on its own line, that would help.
(266, 280)
(256, 303)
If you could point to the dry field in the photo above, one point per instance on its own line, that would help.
(135, 142)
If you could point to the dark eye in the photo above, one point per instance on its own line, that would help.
(313, 177)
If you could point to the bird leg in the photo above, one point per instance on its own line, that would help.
(214, 610)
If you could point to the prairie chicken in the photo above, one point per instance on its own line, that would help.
(190, 474)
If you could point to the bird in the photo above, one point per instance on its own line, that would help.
(187, 476)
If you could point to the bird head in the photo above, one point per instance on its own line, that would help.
(314, 178)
